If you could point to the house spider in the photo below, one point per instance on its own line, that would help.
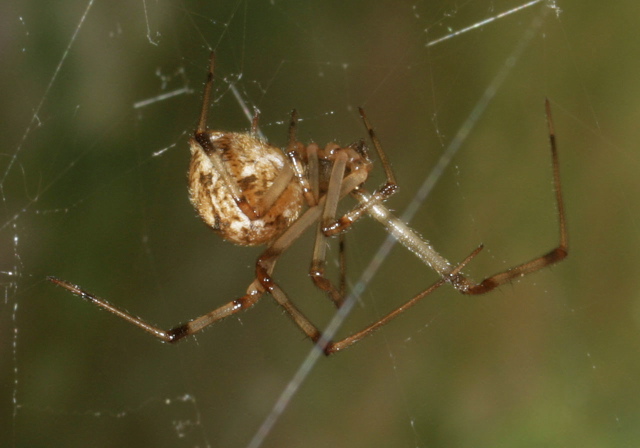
(251, 193)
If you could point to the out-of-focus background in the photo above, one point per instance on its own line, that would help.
(98, 100)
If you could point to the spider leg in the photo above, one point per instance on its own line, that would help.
(176, 333)
(202, 139)
(266, 262)
(318, 262)
(292, 167)
(254, 292)
(333, 347)
(391, 185)
(264, 204)
(423, 249)
(206, 95)
(279, 185)
(342, 261)
(381, 194)
(307, 179)
(555, 255)
(403, 233)
(255, 123)
(318, 267)
(338, 185)
(312, 332)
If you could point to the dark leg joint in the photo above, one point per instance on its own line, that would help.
(387, 190)
(483, 287)
(178, 333)
(327, 348)
(336, 227)
(556, 255)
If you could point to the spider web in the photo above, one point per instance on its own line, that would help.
(92, 182)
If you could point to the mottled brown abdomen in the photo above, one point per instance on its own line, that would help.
(252, 165)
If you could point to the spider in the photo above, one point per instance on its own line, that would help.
(252, 193)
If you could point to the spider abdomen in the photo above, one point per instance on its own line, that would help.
(252, 166)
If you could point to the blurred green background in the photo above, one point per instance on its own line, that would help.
(93, 189)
